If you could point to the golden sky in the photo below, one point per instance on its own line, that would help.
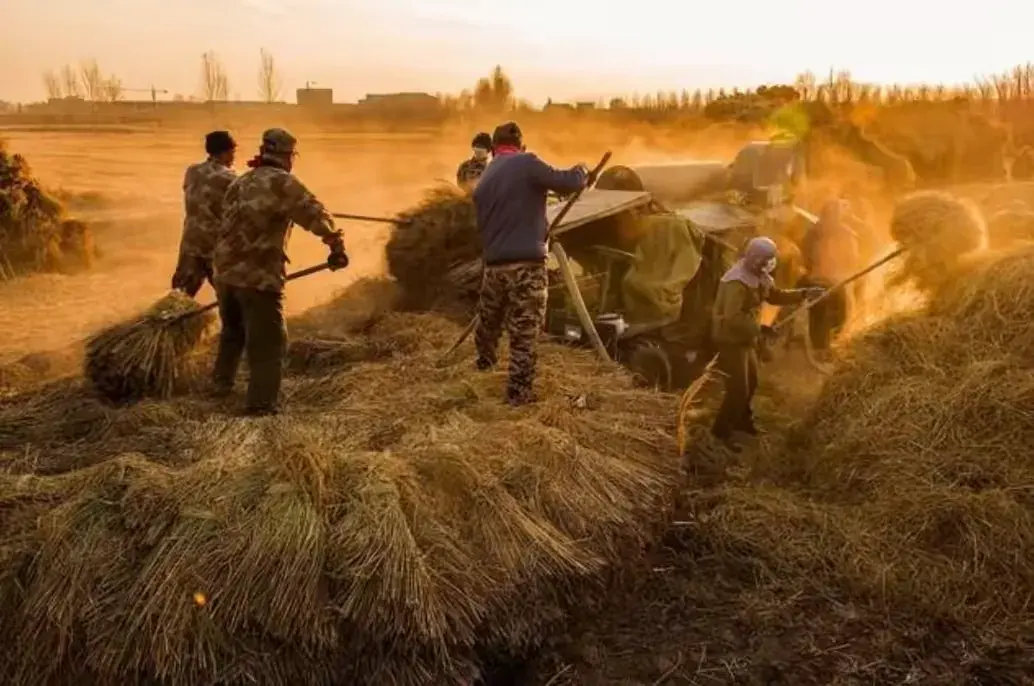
(566, 49)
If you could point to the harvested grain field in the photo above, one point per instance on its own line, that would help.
(399, 524)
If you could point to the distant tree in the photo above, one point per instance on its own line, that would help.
(112, 89)
(495, 93)
(93, 81)
(70, 82)
(805, 85)
(215, 84)
(618, 104)
(52, 84)
(269, 78)
(698, 101)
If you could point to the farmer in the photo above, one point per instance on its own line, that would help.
(470, 170)
(736, 328)
(204, 186)
(510, 202)
(250, 267)
(831, 253)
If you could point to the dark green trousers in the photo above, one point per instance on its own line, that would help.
(739, 364)
(253, 323)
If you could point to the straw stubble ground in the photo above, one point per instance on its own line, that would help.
(398, 524)
(886, 542)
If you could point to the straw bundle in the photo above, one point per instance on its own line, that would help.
(34, 234)
(909, 482)
(937, 229)
(396, 526)
(149, 355)
(436, 236)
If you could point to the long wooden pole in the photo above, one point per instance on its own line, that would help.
(469, 328)
(694, 389)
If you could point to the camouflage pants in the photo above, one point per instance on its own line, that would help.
(191, 273)
(513, 297)
(253, 324)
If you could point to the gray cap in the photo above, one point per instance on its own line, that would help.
(278, 142)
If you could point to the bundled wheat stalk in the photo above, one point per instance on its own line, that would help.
(149, 355)
(34, 233)
(433, 238)
(908, 484)
(398, 524)
(938, 230)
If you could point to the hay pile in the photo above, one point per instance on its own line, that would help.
(150, 355)
(910, 482)
(435, 250)
(35, 235)
(398, 524)
(939, 230)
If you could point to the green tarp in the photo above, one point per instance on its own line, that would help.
(668, 256)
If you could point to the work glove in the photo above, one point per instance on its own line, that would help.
(768, 334)
(590, 178)
(338, 258)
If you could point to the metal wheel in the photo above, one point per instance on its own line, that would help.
(651, 366)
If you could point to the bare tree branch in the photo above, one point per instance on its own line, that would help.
(52, 84)
(269, 78)
(215, 84)
(92, 80)
(70, 82)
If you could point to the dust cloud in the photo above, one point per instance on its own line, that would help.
(139, 176)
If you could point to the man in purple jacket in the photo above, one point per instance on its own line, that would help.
(510, 200)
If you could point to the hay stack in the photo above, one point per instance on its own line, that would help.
(34, 233)
(397, 525)
(939, 230)
(438, 235)
(909, 483)
(149, 355)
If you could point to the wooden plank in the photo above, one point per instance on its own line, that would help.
(596, 204)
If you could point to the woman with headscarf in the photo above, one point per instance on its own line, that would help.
(736, 329)
(831, 254)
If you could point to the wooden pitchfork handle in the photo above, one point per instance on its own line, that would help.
(694, 389)
(568, 204)
(366, 218)
(211, 306)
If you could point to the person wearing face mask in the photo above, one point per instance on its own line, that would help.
(471, 169)
(736, 328)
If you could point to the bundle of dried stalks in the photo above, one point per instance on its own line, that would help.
(35, 235)
(909, 483)
(149, 355)
(397, 524)
(938, 229)
(437, 235)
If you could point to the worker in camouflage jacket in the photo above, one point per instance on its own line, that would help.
(250, 267)
(510, 203)
(470, 170)
(736, 328)
(204, 186)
